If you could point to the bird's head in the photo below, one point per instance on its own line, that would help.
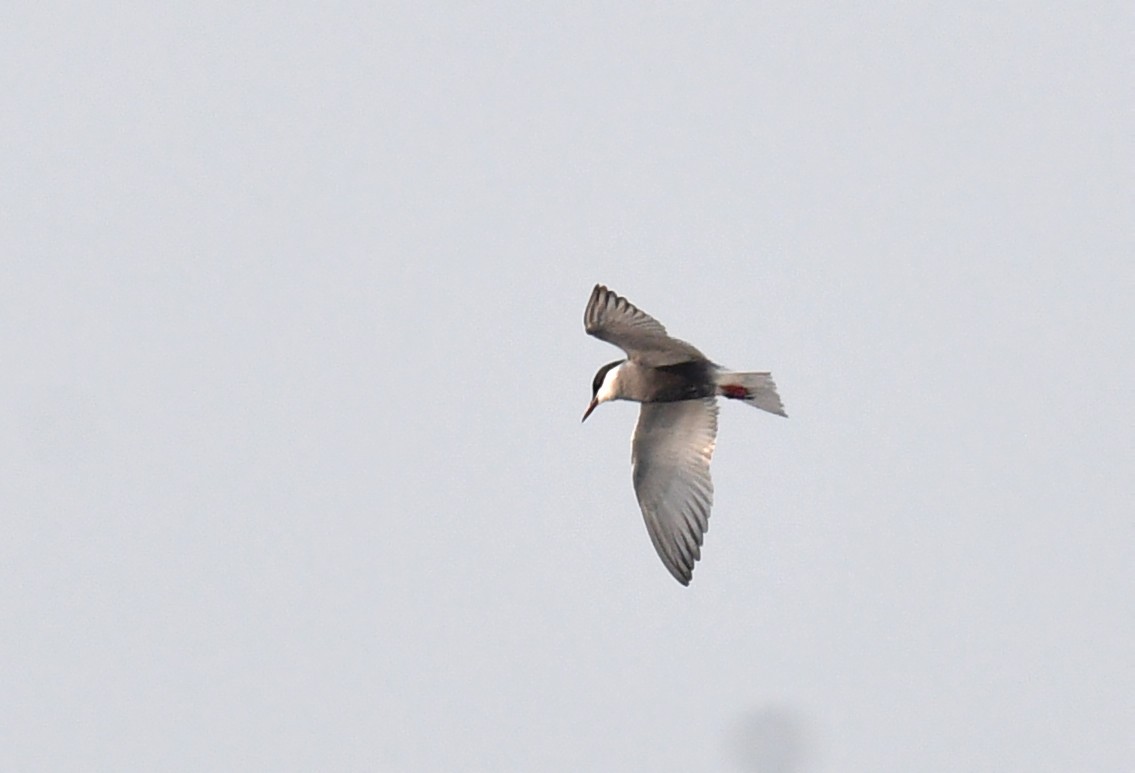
(605, 386)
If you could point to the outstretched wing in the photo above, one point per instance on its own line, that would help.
(671, 450)
(612, 318)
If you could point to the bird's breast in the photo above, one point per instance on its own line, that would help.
(690, 380)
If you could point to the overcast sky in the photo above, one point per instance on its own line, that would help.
(292, 364)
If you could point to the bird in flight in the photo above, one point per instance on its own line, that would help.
(673, 442)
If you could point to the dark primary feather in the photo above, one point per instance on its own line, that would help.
(612, 318)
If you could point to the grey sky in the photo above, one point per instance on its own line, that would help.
(291, 468)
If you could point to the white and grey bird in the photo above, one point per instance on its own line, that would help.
(673, 443)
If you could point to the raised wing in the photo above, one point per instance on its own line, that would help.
(671, 450)
(612, 318)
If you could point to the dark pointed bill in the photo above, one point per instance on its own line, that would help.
(590, 407)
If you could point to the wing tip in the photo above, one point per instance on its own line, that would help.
(594, 303)
(678, 569)
(683, 574)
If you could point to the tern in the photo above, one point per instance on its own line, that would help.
(673, 443)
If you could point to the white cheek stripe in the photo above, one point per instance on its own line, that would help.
(607, 390)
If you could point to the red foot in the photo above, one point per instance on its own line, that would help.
(736, 391)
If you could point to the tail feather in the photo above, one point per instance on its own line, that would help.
(756, 389)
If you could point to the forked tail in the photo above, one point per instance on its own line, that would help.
(756, 389)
